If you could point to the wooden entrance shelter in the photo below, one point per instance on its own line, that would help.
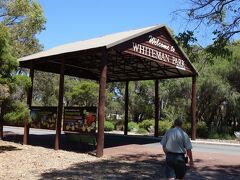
(149, 53)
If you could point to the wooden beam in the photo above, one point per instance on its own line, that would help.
(60, 107)
(126, 109)
(193, 107)
(149, 78)
(101, 104)
(156, 108)
(29, 102)
(85, 71)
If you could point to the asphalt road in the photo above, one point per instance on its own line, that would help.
(19, 130)
(212, 148)
(148, 142)
(209, 148)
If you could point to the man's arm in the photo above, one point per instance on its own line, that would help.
(164, 149)
(163, 143)
(189, 153)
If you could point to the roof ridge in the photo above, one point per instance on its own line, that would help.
(104, 40)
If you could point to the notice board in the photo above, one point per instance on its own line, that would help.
(80, 119)
(43, 117)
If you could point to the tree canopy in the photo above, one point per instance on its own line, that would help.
(20, 21)
(7, 63)
(222, 16)
(23, 19)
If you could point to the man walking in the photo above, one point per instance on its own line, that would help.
(176, 144)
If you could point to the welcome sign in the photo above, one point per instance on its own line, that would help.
(158, 46)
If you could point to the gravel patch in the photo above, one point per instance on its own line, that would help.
(29, 162)
(32, 162)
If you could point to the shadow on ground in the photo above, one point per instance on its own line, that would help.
(111, 140)
(138, 166)
(8, 148)
(221, 172)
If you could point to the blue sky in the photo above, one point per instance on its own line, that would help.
(74, 20)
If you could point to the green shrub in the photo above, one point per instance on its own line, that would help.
(142, 131)
(146, 124)
(108, 126)
(215, 135)
(20, 113)
(109, 120)
(113, 121)
(202, 130)
(187, 127)
(228, 137)
(163, 126)
(132, 126)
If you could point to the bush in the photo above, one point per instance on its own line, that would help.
(228, 137)
(132, 126)
(202, 130)
(163, 126)
(20, 113)
(187, 127)
(108, 126)
(146, 124)
(215, 135)
(113, 121)
(142, 131)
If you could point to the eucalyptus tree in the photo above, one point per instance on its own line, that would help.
(24, 19)
(221, 16)
(20, 21)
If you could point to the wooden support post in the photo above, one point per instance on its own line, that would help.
(101, 104)
(126, 109)
(193, 106)
(60, 107)
(29, 102)
(156, 108)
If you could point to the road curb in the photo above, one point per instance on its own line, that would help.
(214, 143)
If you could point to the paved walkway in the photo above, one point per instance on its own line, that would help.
(207, 165)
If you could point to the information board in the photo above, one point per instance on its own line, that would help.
(43, 117)
(80, 119)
